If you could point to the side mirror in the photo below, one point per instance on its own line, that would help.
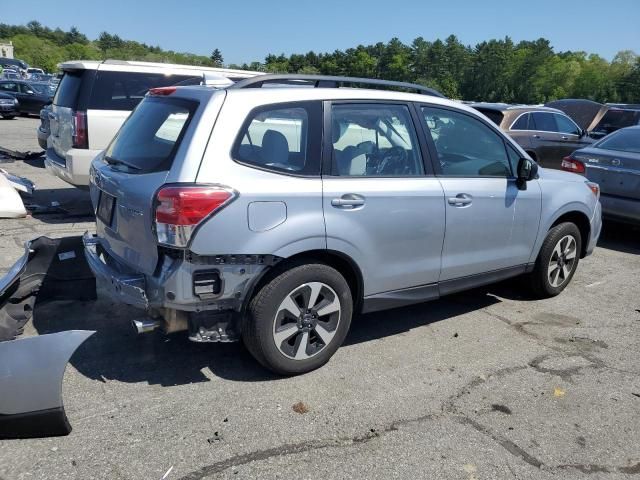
(30, 92)
(527, 171)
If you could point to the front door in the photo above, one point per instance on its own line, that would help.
(381, 204)
(491, 225)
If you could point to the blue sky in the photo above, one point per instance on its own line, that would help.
(250, 29)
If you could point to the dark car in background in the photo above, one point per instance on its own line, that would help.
(546, 134)
(614, 164)
(32, 97)
(8, 106)
(599, 120)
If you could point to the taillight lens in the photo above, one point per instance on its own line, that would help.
(570, 164)
(80, 133)
(163, 91)
(180, 209)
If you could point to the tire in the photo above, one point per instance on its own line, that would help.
(8, 117)
(275, 326)
(561, 249)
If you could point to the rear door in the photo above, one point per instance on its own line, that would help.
(491, 225)
(382, 205)
(125, 180)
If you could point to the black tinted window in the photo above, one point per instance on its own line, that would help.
(8, 87)
(69, 90)
(565, 125)
(124, 90)
(277, 138)
(149, 138)
(522, 123)
(544, 122)
(494, 115)
(623, 140)
(616, 119)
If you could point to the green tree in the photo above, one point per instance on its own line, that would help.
(216, 58)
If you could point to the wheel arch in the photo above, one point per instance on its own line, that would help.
(338, 260)
(580, 220)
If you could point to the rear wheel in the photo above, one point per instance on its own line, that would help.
(557, 261)
(298, 320)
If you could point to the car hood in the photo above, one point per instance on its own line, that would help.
(559, 175)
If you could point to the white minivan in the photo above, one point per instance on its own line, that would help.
(93, 100)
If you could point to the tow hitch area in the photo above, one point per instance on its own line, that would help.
(31, 371)
(50, 269)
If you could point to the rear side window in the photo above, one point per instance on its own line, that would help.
(494, 115)
(544, 122)
(282, 138)
(522, 123)
(148, 140)
(125, 90)
(69, 90)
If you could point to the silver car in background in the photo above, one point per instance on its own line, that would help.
(272, 215)
(614, 164)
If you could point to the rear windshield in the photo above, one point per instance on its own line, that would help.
(69, 90)
(125, 90)
(622, 141)
(616, 119)
(494, 115)
(148, 140)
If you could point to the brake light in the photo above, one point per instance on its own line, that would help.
(180, 209)
(164, 91)
(570, 164)
(80, 133)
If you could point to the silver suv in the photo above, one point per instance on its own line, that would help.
(276, 214)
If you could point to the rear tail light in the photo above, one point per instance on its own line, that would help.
(80, 133)
(180, 209)
(570, 164)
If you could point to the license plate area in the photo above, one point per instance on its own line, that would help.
(106, 206)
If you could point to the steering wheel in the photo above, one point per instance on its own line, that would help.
(393, 162)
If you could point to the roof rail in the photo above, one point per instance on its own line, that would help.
(328, 81)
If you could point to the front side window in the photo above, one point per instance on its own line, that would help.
(466, 146)
(544, 122)
(9, 87)
(276, 138)
(374, 140)
(565, 125)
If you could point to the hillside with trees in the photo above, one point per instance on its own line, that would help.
(493, 70)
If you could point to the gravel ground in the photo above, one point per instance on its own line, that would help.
(482, 385)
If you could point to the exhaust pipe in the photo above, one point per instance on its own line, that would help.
(145, 325)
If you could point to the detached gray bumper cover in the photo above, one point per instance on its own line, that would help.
(31, 372)
(123, 286)
(15, 271)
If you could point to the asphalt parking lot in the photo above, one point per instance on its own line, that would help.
(486, 384)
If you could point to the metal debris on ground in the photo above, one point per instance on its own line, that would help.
(21, 184)
(27, 155)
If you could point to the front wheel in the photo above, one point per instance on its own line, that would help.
(8, 117)
(297, 321)
(557, 261)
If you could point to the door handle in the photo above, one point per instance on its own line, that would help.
(535, 136)
(460, 200)
(348, 200)
(564, 137)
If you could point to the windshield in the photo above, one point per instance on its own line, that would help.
(41, 88)
(148, 139)
(627, 140)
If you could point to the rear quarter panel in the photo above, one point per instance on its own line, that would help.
(228, 231)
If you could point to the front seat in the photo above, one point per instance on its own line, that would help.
(275, 148)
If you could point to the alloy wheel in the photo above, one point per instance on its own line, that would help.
(562, 261)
